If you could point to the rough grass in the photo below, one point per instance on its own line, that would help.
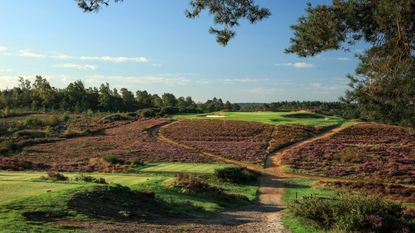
(275, 118)
(28, 204)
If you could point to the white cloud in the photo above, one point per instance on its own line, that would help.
(3, 49)
(116, 59)
(244, 80)
(299, 65)
(28, 53)
(262, 91)
(326, 88)
(157, 65)
(7, 81)
(60, 56)
(5, 70)
(343, 59)
(129, 80)
(76, 66)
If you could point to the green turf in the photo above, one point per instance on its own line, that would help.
(199, 168)
(22, 192)
(276, 118)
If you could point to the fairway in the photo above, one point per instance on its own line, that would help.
(275, 118)
(204, 168)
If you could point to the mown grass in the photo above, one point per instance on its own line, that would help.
(275, 118)
(23, 192)
(196, 168)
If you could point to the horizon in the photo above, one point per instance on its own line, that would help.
(127, 45)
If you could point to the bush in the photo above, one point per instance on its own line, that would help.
(148, 112)
(30, 134)
(236, 175)
(32, 123)
(137, 163)
(114, 117)
(192, 184)
(8, 146)
(112, 159)
(169, 110)
(131, 114)
(90, 179)
(353, 213)
(52, 175)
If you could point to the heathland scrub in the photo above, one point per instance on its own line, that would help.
(24, 198)
(275, 118)
(297, 188)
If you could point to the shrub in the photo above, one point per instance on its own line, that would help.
(236, 175)
(131, 114)
(112, 159)
(66, 117)
(52, 175)
(8, 146)
(350, 154)
(30, 134)
(32, 123)
(114, 117)
(148, 112)
(169, 110)
(353, 213)
(192, 184)
(90, 179)
(137, 163)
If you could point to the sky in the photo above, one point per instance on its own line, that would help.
(151, 45)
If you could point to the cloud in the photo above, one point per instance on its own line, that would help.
(76, 66)
(4, 70)
(262, 91)
(129, 80)
(326, 88)
(116, 59)
(61, 56)
(157, 65)
(7, 81)
(244, 80)
(28, 53)
(299, 65)
(343, 59)
(3, 49)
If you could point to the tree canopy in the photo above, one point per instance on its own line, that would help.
(227, 13)
(384, 84)
(41, 96)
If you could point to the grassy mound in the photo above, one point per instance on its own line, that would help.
(119, 202)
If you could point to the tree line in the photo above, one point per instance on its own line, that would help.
(40, 95)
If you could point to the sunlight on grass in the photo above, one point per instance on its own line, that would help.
(275, 118)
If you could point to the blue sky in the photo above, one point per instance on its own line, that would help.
(150, 45)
